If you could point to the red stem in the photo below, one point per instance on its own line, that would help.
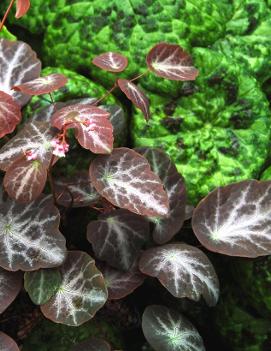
(139, 76)
(6, 14)
(51, 180)
(106, 94)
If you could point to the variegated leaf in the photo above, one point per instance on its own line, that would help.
(111, 62)
(93, 344)
(81, 294)
(171, 62)
(183, 270)
(119, 122)
(136, 95)
(10, 114)
(125, 179)
(235, 219)
(93, 129)
(7, 343)
(117, 237)
(166, 228)
(42, 85)
(19, 64)
(10, 286)
(45, 114)
(35, 137)
(29, 235)
(167, 330)
(22, 6)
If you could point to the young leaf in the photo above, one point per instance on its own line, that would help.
(235, 219)
(29, 235)
(117, 237)
(10, 286)
(93, 130)
(22, 6)
(125, 179)
(93, 344)
(167, 330)
(166, 228)
(183, 270)
(136, 95)
(10, 114)
(14, 54)
(171, 62)
(111, 62)
(7, 344)
(81, 294)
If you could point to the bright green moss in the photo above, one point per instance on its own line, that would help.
(5, 34)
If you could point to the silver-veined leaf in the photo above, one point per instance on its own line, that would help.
(42, 284)
(126, 180)
(7, 343)
(10, 114)
(117, 237)
(183, 270)
(171, 62)
(111, 62)
(10, 286)
(19, 64)
(29, 235)
(81, 294)
(236, 219)
(166, 228)
(93, 344)
(167, 330)
(22, 7)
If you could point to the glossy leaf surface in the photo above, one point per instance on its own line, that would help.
(10, 286)
(22, 7)
(111, 61)
(7, 343)
(10, 114)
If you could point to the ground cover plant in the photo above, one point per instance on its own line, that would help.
(137, 197)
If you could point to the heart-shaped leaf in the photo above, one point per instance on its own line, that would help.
(93, 129)
(29, 235)
(10, 114)
(117, 237)
(111, 62)
(136, 95)
(93, 344)
(81, 294)
(10, 286)
(42, 85)
(166, 228)
(171, 62)
(19, 64)
(7, 344)
(235, 219)
(167, 330)
(183, 270)
(125, 179)
(41, 285)
(22, 6)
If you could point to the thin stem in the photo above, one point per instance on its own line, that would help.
(139, 76)
(51, 180)
(106, 94)
(52, 98)
(6, 14)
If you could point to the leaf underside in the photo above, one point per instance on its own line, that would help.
(22, 7)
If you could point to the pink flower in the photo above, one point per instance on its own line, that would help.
(31, 155)
(60, 147)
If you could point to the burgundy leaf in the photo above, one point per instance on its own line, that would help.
(136, 95)
(22, 6)
(7, 344)
(183, 270)
(166, 228)
(19, 64)
(117, 237)
(10, 286)
(125, 179)
(93, 129)
(10, 114)
(235, 219)
(171, 62)
(93, 344)
(111, 61)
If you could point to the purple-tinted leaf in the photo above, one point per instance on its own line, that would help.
(81, 294)
(42, 85)
(19, 64)
(171, 62)
(183, 270)
(235, 220)
(136, 95)
(167, 330)
(189, 209)
(7, 344)
(10, 114)
(22, 6)
(117, 237)
(93, 129)
(93, 344)
(125, 179)
(29, 235)
(10, 286)
(166, 228)
(45, 114)
(111, 62)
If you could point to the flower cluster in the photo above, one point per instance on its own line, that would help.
(60, 147)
